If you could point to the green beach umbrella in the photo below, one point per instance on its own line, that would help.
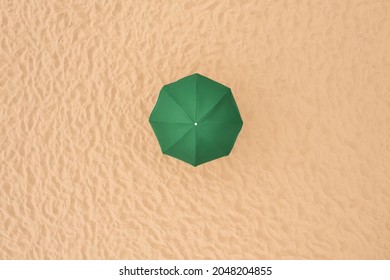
(196, 120)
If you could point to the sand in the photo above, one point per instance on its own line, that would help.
(82, 175)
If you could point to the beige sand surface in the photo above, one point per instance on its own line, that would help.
(81, 172)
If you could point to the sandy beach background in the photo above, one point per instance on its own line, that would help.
(81, 172)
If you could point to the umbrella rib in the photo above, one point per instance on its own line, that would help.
(196, 97)
(215, 106)
(215, 143)
(170, 96)
(195, 149)
(223, 124)
(235, 138)
(156, 122)
(170, 147)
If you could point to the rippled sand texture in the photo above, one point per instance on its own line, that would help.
(82, 175)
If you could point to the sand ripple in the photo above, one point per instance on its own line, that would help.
(82, 175)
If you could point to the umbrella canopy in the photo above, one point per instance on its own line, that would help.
(196, 120)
